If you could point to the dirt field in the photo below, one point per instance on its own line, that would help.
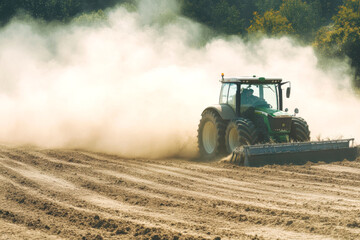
(67, 194)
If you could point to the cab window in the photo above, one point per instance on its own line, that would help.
(232, 96)
(224, 93)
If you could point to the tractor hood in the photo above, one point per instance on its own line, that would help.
(278, 123)
(271, 112)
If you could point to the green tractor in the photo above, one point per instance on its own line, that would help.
(250, 113)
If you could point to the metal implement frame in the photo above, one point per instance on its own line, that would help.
(297, 153)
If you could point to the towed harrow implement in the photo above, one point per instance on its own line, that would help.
(295, 153)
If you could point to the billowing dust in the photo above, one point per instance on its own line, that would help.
(136, 82)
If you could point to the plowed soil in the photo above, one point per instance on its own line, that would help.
(75, 194)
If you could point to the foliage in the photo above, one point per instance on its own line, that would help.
(265, 5)
(270, 23)
(90, 18)
(325, 9)
(301, 16)
(49, 10)
(224, 16)
(343, 37)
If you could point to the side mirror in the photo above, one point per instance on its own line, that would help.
(288, 90)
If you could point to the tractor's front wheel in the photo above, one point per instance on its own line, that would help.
(299, 130)
(211, 135)
(239, 132)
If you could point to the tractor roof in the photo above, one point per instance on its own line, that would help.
(251, 80)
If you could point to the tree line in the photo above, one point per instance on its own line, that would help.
(52, 10)
(331, 26)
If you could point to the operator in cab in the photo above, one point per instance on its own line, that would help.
(247, 97)
(249, 100)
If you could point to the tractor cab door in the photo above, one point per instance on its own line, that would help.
(228, 95)
(232, 96)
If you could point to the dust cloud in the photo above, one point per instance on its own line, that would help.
(136, 82)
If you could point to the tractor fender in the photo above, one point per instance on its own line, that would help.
(225, 111)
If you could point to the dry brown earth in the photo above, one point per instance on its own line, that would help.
(68, 194)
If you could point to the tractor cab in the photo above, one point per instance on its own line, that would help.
(261, 101)
(258, 93)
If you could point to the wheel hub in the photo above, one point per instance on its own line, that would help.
(209, 137)
(233, 139)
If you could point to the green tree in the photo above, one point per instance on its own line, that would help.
(325, 9)
(263, 6)
(8, 9)
(343, 37)
(49, 10)
(90, 18)
(302, 17)
(270, 23)
(224, 16)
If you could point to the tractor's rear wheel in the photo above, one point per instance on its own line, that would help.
(299, 130)
(211, 134)
(239, 132)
